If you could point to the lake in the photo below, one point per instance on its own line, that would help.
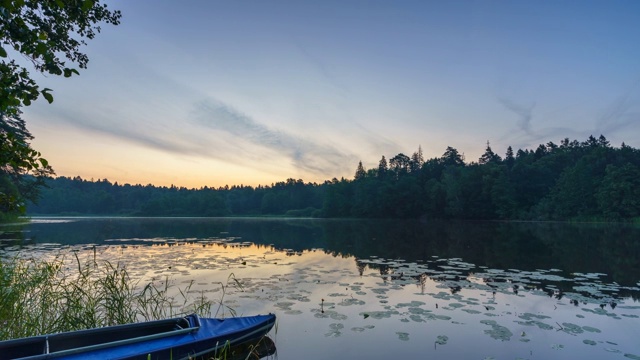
(386, 289)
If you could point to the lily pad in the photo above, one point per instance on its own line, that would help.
(442, 339)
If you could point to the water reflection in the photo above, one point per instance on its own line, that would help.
(359, 289)
(612, 249)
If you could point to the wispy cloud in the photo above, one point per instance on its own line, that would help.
(618, 114)
(615, 117)
(112, 123)
(525, 113)
(305, 154)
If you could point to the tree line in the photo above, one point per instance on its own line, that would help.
(573, 180)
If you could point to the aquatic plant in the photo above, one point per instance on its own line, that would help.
(40, 296)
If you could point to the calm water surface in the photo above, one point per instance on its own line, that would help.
(386, 289)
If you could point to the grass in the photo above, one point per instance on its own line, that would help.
(39, 296)
(48, 296)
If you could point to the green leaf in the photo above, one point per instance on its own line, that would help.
(41, 48)
(87, 5)
(47, 96)
(68, 72)
(3, 52)
(44, 162)
(26, 102)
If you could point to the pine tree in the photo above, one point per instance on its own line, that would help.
(489, 156)
(382, 168)
(508, 158)
(360, 172)
(417, 159)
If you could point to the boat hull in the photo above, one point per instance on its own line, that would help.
(180, 338)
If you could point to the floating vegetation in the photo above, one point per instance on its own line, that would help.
(442, 339)
(418, 311)
(590, 329)
(411, 304)
(455, 305)
(334, 330)
(285, 305)
(497, 332)
(471, 311)
(351, 301)
(337, 316)
(380, 314)
(631, 316)
(400, 295)
(529, 316)
(337, 295)
(572, 329)
(539, 324)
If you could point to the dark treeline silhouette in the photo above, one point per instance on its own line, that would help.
(570, 181)
(75, 196)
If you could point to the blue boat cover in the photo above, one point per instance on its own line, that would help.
(196, 337)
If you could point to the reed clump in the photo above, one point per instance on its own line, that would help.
(39, 296)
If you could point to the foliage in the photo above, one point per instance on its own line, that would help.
(48, 33)
(49, 296)
(570, 181)
(22, 169)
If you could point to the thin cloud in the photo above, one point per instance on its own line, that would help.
(525, 113)
(305, 154)
(110, 123)
(617, 115)
(614, 118)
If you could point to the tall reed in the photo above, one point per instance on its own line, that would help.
(47, 296)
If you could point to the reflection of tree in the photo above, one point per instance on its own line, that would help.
(384, 272)
(575, 248)
(422, 282)
(13, 235)
(360, 266)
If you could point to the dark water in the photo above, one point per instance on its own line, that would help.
(380, 289)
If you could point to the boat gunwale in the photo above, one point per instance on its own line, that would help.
(194, 322)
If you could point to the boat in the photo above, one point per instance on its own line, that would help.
(186, 337)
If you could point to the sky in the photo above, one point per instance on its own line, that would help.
(214, 93)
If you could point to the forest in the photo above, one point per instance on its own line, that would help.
(571, 181)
